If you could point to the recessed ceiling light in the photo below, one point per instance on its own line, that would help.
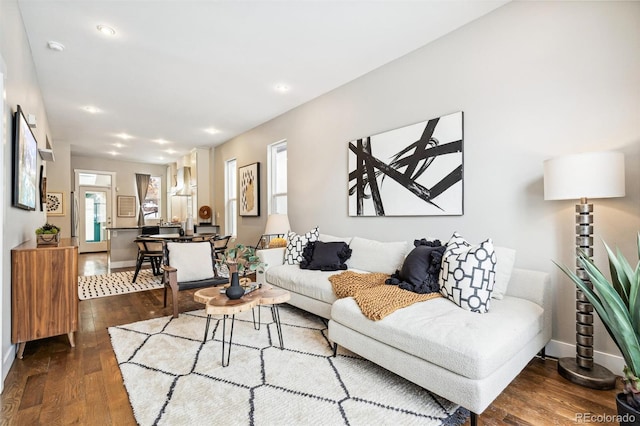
(106, 30)
(91, 109)
(118, 145)
(124, 136)
(161, 141)
(170, 151)
(212, 131)
(113, 153)
(54, 45)
(282, 88)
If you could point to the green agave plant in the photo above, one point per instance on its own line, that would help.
(617, 302)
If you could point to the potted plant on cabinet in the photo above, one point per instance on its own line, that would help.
(48, 234)
(240, 259)
(617, 303)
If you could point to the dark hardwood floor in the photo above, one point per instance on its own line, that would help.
(57, 384)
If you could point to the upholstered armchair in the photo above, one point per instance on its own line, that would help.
(187, 266)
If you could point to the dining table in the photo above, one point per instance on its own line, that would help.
(182, 238)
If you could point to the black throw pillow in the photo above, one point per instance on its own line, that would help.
(421, 267)
(321, 256)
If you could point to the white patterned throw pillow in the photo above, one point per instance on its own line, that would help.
(296, 244)
(468, 273)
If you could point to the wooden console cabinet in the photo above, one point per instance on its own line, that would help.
(44, 291)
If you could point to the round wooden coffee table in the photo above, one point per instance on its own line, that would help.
(218, 303)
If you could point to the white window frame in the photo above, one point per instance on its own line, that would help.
(272, 172)
(160, 200)
(231, 197)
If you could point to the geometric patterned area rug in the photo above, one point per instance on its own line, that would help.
(93, 286)
(173, 378)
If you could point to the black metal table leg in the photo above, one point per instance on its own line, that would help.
(253, 313)
(224, 329)
(275, 314)
(206, 328)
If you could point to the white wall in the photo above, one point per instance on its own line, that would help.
(21, 88)
(535, 80)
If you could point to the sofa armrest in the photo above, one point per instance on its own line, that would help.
(530, 285)
(536, 287)
(271, 257)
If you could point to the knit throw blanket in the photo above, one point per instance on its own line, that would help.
(375, 299)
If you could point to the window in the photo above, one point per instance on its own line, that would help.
(231, 198)
(153, 200)
(277, 188)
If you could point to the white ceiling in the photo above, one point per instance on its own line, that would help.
(175, 68)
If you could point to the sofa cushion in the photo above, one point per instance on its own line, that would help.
(321, 256)
(441, 333)
(296, 243)
(192, 260)
(467, 276)
(421, 268)
(313, 284)
(505, 258)
(377, 256)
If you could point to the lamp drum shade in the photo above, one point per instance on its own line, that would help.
(277, 224)
(586, 175)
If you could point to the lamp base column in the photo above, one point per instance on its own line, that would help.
(597, 377)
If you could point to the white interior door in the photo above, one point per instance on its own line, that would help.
(94, 212)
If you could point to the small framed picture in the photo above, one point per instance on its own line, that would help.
(126, 206)
(55, 204)
(249, 197)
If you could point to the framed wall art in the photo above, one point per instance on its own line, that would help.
(415, 170)
(127, 206)
(43, 189)
(25, 152)
(249, 197)
(55, 204)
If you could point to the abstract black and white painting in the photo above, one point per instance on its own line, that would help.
(415, 170)
(249, 181)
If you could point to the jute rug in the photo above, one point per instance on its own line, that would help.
(92, 286)
(172, 378)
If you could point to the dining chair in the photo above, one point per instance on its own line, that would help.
(150, 230)
(220, 244)
(150, 250)
(189, 265)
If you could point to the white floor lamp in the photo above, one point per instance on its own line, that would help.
(573, 177)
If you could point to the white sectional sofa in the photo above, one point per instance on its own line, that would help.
(466, 357)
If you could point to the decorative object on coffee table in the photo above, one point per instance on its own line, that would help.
(234, 291)
(241, 259)
(573, 177)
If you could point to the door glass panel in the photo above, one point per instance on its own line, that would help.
(95, 215)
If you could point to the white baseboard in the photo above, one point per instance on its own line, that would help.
(122, 264)
(7, 361)
(558, 349)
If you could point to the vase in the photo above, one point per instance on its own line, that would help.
(234, 291)
(627, 415)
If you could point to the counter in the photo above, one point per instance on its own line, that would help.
(121, 249)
